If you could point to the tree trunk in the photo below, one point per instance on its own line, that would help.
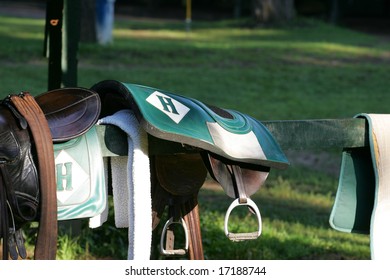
(265, 11)
(335, 11)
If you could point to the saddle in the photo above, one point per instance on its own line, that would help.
(187, 139)
(28, 128)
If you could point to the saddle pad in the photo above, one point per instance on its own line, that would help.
(362, 201)
(81, 191)
(176, 118)
(355, 193)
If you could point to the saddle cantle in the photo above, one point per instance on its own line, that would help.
(70, 112)
(27, 184)
(236, 148)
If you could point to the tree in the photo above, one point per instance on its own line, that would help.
(88, 21)
(265, 11)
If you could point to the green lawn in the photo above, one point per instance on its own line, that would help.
(307, 69)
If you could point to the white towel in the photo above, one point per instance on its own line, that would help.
(380, 220)
(100, 219)
(131, 186)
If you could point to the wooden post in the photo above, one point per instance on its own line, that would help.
(62, 33)
(53, 42)
(70, 41)
(192, 220)
(291, 135)
(188, 15)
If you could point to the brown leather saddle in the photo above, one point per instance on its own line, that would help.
(187, 139)
(28, 128)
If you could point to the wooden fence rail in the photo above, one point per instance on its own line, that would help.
(291, 135)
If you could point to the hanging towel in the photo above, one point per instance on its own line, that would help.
(99, 220)
(131, 186)
(362, 202)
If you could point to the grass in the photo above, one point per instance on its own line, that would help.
(307, 69)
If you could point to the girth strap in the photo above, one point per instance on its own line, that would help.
(46, 244)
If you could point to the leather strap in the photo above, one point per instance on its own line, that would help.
(46, 244)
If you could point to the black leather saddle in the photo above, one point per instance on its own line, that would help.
(69, 113)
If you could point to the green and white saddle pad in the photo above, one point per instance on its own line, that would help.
(81, 190)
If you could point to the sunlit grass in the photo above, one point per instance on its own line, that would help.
(22, 23)
(22, 28)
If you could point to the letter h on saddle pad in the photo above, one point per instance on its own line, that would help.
(236, 149)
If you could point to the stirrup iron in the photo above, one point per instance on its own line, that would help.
(245, 235)
(174, 252)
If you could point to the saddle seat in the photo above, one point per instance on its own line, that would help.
(70, 112)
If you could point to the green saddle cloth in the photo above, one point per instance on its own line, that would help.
(355, 195)
(228, 133)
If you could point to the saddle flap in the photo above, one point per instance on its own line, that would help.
(223, 172)
(70, 112)
(181, 174)
(18, 168)
(9, 148)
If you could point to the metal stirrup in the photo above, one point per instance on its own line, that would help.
(174, 252)
(241, 200)
(245, 235)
